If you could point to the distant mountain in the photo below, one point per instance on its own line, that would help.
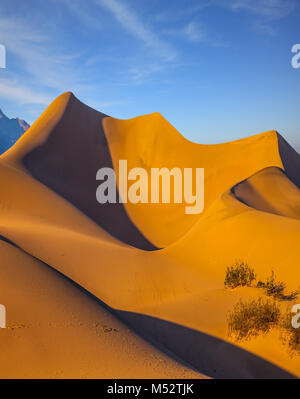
(10, 131)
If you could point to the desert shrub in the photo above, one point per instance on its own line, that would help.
(239, 275)
(272, 287)
(290, 336)
(252, 318)
(290, 297)
(276, 288)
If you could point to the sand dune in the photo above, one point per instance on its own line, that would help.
(270, 191)
(174, 296)
(47, 155)
(55, 330)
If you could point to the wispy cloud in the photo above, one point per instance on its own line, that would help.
(41, 64)
(194, 9)
(194, 33)
(11, 90)
(266, 8)
(265, 12)
(178, 13)
(134, 25)
(82, 11)
(141, 73)
(264, 28)
(38, 54)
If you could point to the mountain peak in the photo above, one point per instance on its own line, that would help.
(10, 130)
(2, 114)
(23, 124)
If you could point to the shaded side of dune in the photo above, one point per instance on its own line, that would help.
(208, 355)
(4, 239)
(204, 353)
(270, 190)
(290, 160)
(60, 331)
(67, 162)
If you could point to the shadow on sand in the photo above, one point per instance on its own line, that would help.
(204, 353)
(67, 162)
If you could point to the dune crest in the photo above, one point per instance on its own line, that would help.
(69, 130)
(270, 190)
(150, 141)
(172, 295)
(63, 150)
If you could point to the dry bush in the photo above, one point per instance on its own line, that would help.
(252, 318)
(239, 275)
(276, 289)
(290, 336)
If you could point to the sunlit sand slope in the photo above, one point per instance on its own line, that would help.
(69, 130)
(150, 141)
(55, 330)
(174, 296)
(63, 150)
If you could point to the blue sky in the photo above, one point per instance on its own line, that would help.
(218, 70)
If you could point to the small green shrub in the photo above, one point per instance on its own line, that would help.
(239, 275)
(252, 318)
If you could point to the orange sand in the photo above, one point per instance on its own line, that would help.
(174, 296)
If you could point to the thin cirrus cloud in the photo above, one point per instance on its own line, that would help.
(265, 12)
(40, 61)
(49, 62)
(26, 44)
(194, 33)
(10, 90)
(34, 48)
(159, 54)
(134, 25)
(266, 8)
(264, 28)
(82, 11)
(191, 32)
